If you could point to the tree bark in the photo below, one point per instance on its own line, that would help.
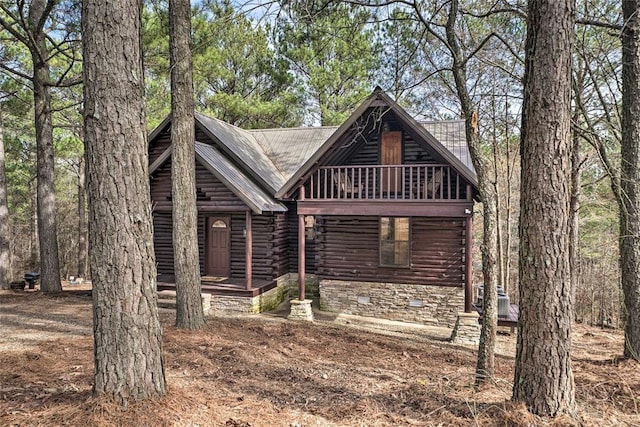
(4, 216)
(127, 332)
(630, 177)
(189, 313)
(543, 375)
(46, 196)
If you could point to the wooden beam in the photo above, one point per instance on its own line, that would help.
(431, 208)
(301, 252)
(468, 255)
(249, 250)
(166, 207)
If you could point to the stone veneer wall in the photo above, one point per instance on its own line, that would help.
(311, 285)
(229, 305)
(431, 305)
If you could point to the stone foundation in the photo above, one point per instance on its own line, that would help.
(430, 305)
(301, 310)
(233, 305)
(467, 329)
(311, 285)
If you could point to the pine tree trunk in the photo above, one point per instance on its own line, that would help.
(46, 196)
(543, 375)
(186, 262)
(81, 269)
(4, 216)
(630, 177)
(127, 332)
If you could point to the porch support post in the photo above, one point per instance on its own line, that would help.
(301, 255)
(248, 250)
(468, 254)
(301, 307)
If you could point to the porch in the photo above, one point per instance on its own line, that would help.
(225, 286)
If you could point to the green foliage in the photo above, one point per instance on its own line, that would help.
(332, 52)
(237, 75)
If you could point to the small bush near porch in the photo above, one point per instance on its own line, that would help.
(266, 371)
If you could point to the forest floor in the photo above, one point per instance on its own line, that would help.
(267, 371)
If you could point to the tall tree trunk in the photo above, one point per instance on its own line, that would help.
(34, 248)
(4, 216)
(189, 313)
(46, 195)
(81, 269)
(630, 177)
(543, 375)
(486, 350)
(127, 332)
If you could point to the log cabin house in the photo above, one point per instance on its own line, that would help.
(374, 215)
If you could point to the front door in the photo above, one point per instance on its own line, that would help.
(218, 247)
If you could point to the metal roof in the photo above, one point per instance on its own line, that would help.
(451, 134)
(243, 187)
(245, 150)
(289, 148)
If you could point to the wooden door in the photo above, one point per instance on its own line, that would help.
(218, 247)
(391, 154)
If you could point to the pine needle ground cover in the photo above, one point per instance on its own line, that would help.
(267, 371)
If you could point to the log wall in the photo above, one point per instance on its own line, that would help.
(349, 250)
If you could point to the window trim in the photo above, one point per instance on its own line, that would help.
(408, 242)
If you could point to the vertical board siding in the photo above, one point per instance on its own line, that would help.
(349, 249)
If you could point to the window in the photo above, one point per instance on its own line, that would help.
(218, 223)
(394, 242)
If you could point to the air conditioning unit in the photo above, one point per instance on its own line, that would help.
(503, 305)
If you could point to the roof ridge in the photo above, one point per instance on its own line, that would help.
(292, 128)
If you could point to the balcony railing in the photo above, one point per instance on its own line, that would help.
(396, 182)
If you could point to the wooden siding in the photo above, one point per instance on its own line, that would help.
(369, 153)
(349, 249)
(269, 244)
(159, 145)
(211, 192)
(311, 252)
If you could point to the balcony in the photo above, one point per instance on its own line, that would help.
(415, 182)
